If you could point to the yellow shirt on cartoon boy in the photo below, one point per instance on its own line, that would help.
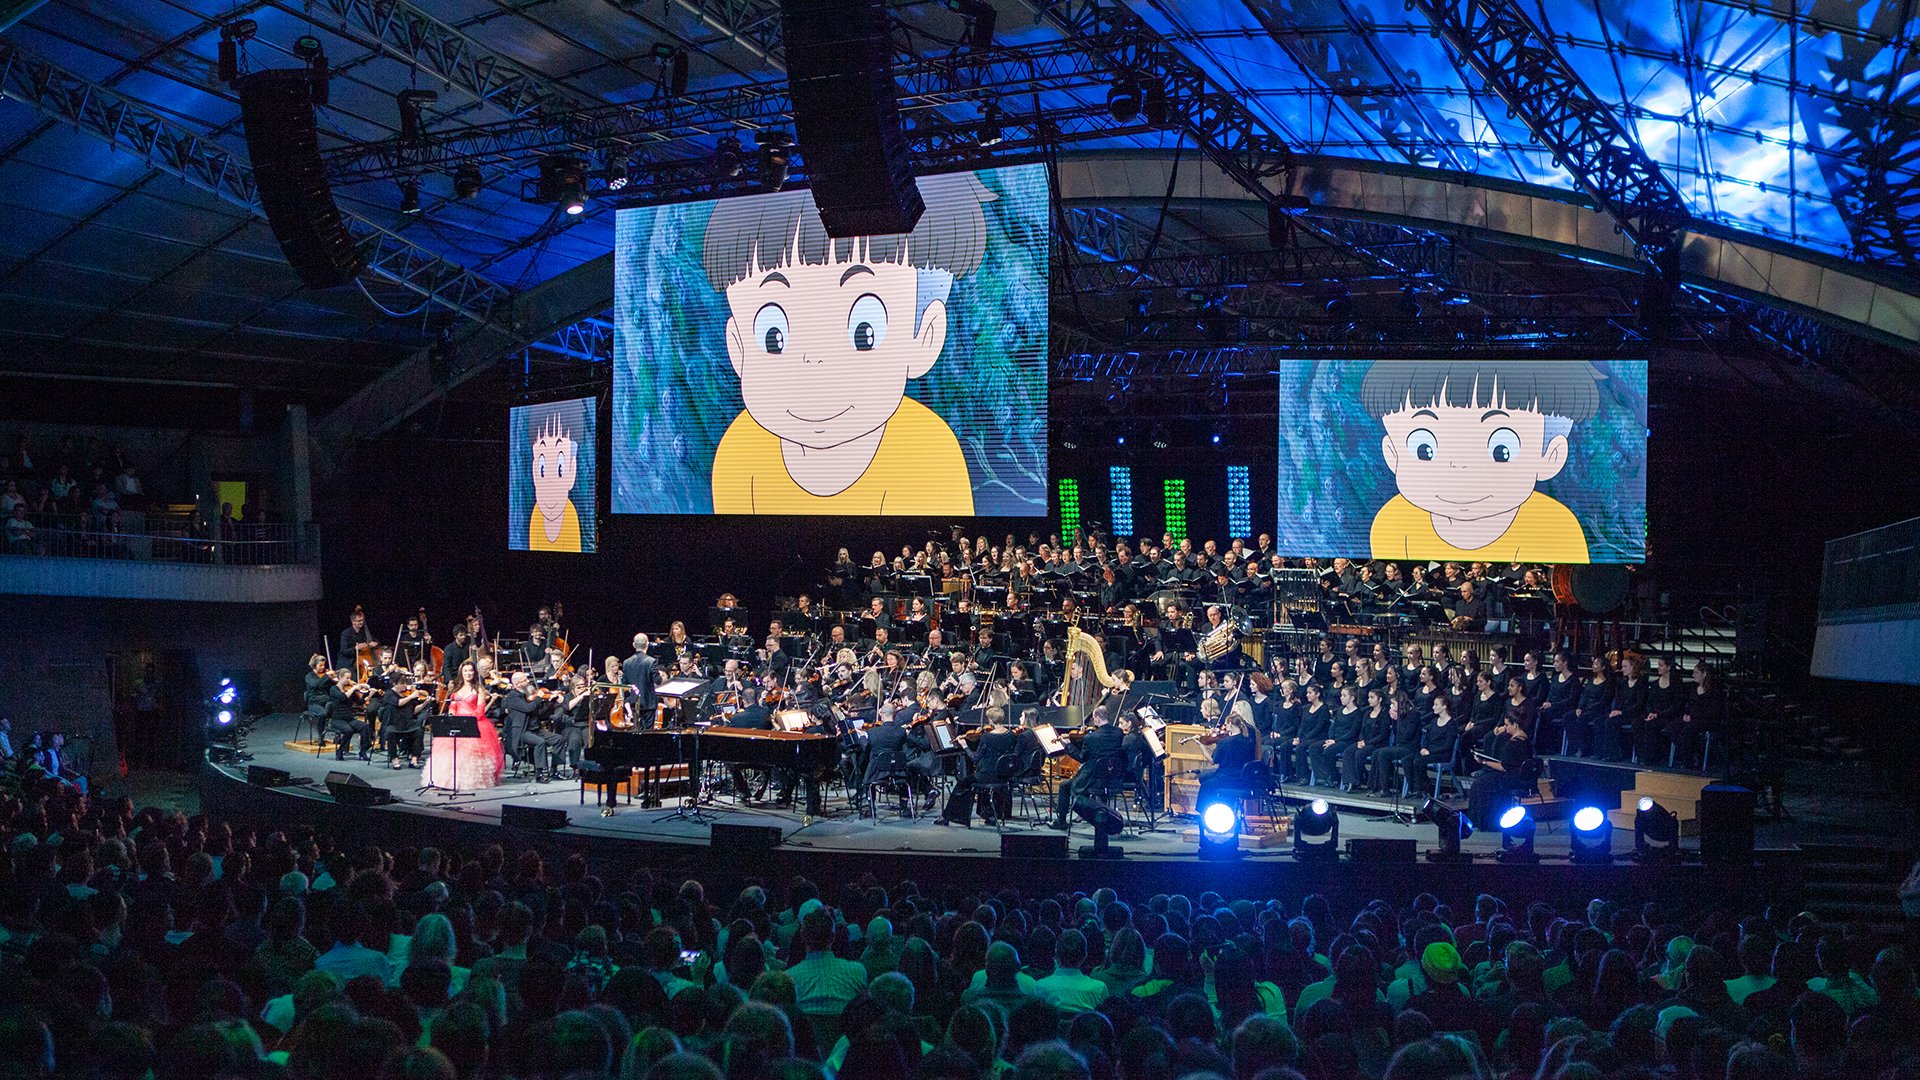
(918, 469)
(1543, 530)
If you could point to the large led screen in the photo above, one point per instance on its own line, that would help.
(762, 367)
(1474, 460)
(552, 451)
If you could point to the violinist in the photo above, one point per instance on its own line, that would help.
(1231, 754)
(403, 710)
(527, 710)
(344, 699)
(1021, 689)
(318, 701)
(576, 717)
(1103, 760)
(414, 640)
(993, 760)
(892, 747)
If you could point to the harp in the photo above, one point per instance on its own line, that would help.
(1081, 643)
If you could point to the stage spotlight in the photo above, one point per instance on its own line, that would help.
(1219, 831)
(1656, 831)
(413, 107)
(467, 181)
(1123, 101)
(673, 69)
(728, 157)
(992, 133)
(1119, 440)
(617, 175)
(1451, 826)
(776, 160)
(1592, 836)
(410, 196)
(1160, 437)
(563, 182)
(223, 717)
(1316, 833)
(1215, 437)
(1516, 836)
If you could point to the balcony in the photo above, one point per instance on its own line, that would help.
(162, 557)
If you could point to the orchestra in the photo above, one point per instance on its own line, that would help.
(900, 682)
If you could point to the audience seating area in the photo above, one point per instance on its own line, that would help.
(143, 943)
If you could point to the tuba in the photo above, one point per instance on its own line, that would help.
(1218, 641)
(1081, 643)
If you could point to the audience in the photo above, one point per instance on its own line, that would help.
(151, 944)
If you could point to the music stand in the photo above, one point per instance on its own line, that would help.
(689, 809)
(460, 729)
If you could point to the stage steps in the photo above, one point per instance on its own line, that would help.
(1677, 791)
(1857, 884)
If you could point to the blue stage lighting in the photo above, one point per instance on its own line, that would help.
(1516, 836)
(224, 717)
(1220, 830)
(1592, 837)
(1316, 832)
(1514, 815)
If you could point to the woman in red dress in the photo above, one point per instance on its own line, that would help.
(467, 764)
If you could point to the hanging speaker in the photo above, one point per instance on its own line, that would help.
(846, 113)
(283, 145)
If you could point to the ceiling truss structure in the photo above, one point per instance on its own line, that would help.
(132, 126)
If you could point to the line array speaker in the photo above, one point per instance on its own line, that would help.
(283, 145)
(268, 776)
(744, 838)
(1040, 846)
(846, 113)
(351, 790)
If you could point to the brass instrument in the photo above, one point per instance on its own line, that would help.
(1218, 641)
(1079, 642)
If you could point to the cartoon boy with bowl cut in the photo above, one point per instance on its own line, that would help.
(824, 335)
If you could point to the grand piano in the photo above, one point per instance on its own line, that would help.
(680, 754)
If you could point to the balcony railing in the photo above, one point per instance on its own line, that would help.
(169, 541)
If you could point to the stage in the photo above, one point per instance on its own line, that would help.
(840, 843)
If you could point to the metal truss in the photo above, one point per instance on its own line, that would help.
(132, 126)
(1519, 64)
(590, 340)
(456, 59)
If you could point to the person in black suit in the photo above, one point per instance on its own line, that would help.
(888, 744)
(355, 635)
(526, 716)
(1103, 760)
(576, 719)
(639, 672)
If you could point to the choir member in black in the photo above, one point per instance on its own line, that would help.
(1325, 662)
(526, 715)
(1414, 659)
(1563, 695)
(897, 752)
(576, 716)
(1343, 731)
(402, 716)
(355, 635)
(1316, 720)
(639, 672)
(1170, 647)
(1488, 706)
(1438, 738)
(1234, 751)
(1591, 709)
(456, 654)
(1629, 707)
(993, 759)
(343, 718)
(1406, 717)
(1503, 772)
(1374, 726)
(1537, 676)
(414, 640)
(1259, 690)
(1103, 760)
(1701, 714)
(1283, 730)
(1499, 668)
(1666, 703)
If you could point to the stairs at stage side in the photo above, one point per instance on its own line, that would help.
(1677, 791)
(1857, 884)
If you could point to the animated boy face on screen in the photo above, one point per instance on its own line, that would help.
(824, 335)
(1468, 444)
(554, 525)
